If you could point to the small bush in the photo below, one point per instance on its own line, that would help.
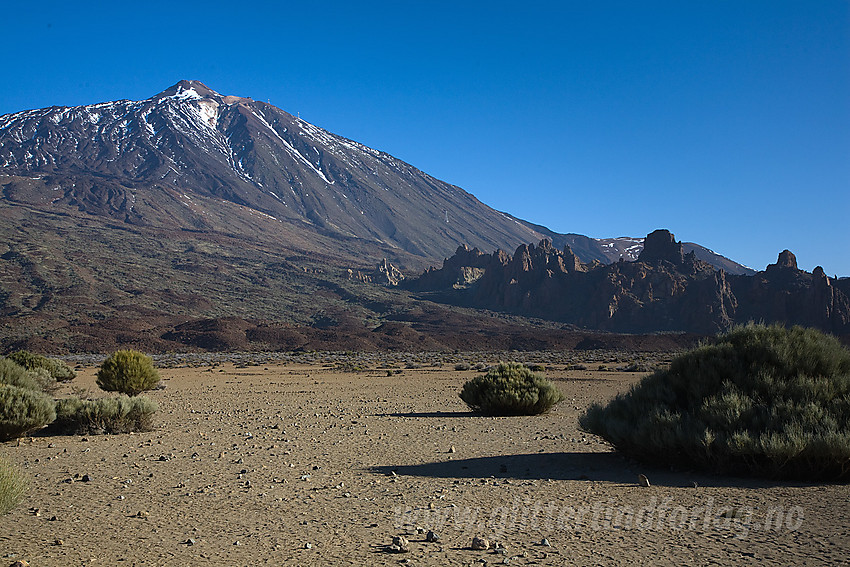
(58, 369)
(129, 372)
(462, 366)
(13, 486)
(761, 400)
(22, 411)
(122, 414)
(510, 389)
(13, 374)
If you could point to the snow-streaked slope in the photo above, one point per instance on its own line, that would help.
(147, 161)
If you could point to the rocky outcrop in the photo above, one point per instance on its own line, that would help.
(664, 290)
(385, 274)
(661, 245)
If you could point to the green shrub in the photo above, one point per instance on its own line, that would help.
(510, 389)
(13, 486)
(13, 374)
(58, 369)
(122, 414)
(761, 400)
(46, 383)
(22, 411)
(129, 372)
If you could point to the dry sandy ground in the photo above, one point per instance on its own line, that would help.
(305, 465)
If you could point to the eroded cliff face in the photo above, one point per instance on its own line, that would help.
(664, 290)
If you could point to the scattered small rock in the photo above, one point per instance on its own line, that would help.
(189, 541)
(308, 546)
(452, 449)
(400, 544)
(20, 564)
(480, 544)
(545, 542)
(642, 480)
(432, 537)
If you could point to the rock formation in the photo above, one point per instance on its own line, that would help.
(664, 290)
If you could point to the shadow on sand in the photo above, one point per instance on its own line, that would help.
(427, 414)
(556, 466)
(605, 467)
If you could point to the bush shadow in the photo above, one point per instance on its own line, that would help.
(599, 467)
(532, 466)
(446, 414)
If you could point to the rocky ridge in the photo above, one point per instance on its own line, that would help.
(665, 289)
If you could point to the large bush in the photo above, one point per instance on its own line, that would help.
(58, 369)
(22, 411)
(510, 389)
(761, 400)
(13, 486)
(129, 372)
(122, 414)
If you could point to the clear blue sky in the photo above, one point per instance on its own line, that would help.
(727, 122)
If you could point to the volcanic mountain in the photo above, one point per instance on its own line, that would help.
(192, 158)
(129, 218)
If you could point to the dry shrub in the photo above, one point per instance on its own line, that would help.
(58, 369)
(761, 400)
(23, 410)
(129, 372)
(13, 374)
(13, 486)
(510, 389)
(121, 414)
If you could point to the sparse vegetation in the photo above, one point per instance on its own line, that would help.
(129, 372)
(13, 486)
(510, 389)
(121, 414)
(23, 410)
(759, 400)
(58, 369)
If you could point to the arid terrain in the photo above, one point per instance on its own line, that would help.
(323, 459)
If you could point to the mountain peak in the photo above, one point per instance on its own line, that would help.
(188, 88)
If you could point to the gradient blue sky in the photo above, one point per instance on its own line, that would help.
(727, 122)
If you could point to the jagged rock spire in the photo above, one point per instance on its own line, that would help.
(661, 245)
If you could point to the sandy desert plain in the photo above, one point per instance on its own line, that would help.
(310, 462)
